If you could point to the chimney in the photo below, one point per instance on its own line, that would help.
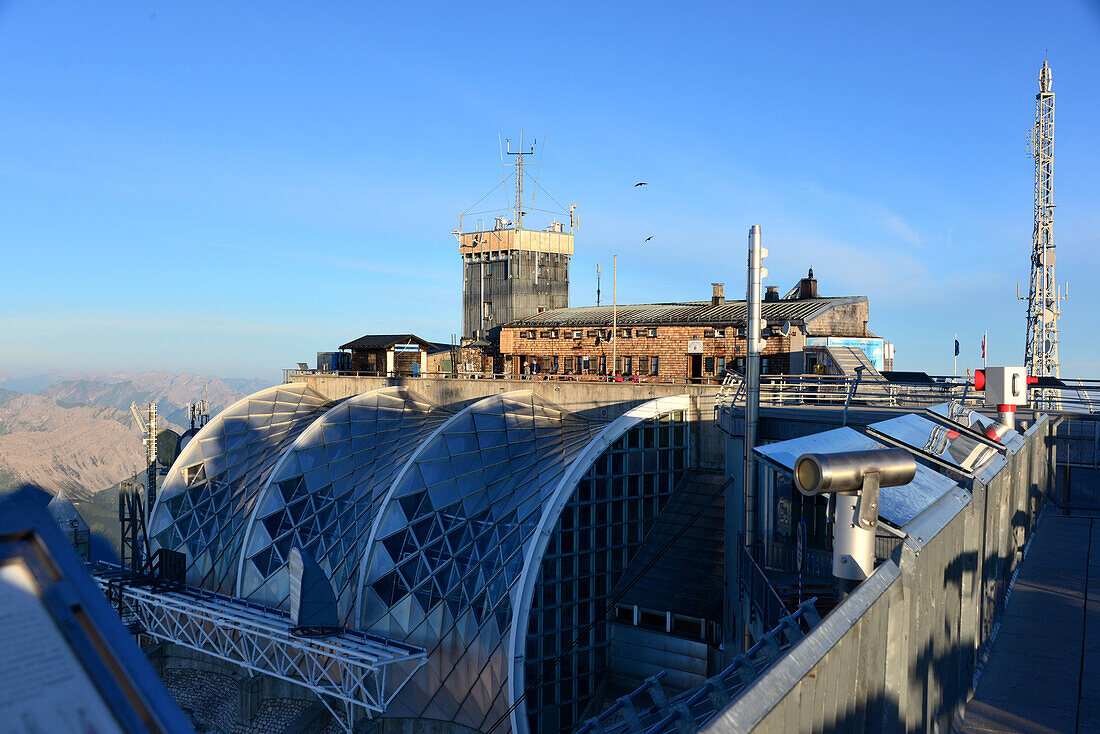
(772, 294)
(807, 287)
(717, 295)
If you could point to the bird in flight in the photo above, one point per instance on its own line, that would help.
(640, 183)
(647, 239)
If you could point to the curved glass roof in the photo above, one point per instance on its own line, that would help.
(449, 548)
(324, 494)
(431, 525)
(211, 488)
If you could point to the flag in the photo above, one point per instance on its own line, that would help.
(983, 346)
(956, 347)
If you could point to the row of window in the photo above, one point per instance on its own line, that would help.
(627, 333)
(587, 365)
(582, 333)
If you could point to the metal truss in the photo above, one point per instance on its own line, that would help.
(1043, 303)
(351, 672)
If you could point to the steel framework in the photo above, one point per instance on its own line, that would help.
(1041, 354)
(350, 671)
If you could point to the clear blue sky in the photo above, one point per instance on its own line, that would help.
(228, 188)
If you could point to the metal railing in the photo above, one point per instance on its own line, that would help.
(650, 710)
(1079, 395)
(764, 601)
(290, 374)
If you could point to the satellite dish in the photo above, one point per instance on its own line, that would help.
(785, 329)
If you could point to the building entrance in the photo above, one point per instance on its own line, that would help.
(695, 366)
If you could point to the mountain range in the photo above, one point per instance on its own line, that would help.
(75, 432)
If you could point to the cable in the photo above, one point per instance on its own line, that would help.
(611, 602)
(487, 195)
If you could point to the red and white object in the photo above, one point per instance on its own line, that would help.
(1005, 388)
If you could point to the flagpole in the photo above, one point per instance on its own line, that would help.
(985, 350)
(956, 349)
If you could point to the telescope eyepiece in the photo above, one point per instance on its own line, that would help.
(844, 471)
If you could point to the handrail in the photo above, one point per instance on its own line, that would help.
(763, 598)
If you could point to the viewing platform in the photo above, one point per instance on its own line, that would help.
(1043, 672)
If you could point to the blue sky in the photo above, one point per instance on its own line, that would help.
(230, 188)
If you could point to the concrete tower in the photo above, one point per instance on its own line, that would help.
(509, 272)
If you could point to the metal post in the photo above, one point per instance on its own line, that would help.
(614, 313)
(752, 379)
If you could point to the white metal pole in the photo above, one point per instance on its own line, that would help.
(614, 312)
(752, 378)
(955, 351)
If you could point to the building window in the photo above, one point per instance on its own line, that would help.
(625, 333)
(719, 333)
(592, 333)
(653, 366)
(586, 365)
(487, 310)
(643, 365)
(568, 364)
(578, 334)
(652, 333)
(708, 333)
(628, 365)
(553, 333)
(556, 365)
(709, 361)
(488, 270)
(618, 365)
(603, 364)
(721, 365)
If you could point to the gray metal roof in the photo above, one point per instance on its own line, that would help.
(798, 311)
(385, 341)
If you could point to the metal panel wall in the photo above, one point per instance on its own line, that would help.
(899, 653)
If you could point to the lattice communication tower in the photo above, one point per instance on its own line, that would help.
(1043, 302)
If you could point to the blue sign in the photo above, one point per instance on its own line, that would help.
(871, 347)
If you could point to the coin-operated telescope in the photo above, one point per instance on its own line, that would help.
(854, 477)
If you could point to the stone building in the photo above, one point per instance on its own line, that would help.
(697, 341)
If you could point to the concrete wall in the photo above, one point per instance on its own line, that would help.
(601, 401)
(899, 653)
(847, 320)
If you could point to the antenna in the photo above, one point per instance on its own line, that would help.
(519, 153)
(1044, 298)
(597, 284)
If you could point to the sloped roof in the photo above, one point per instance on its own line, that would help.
(797, 311)
(385, 341)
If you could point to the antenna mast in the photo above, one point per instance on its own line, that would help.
(517, 216)
(1041, 354)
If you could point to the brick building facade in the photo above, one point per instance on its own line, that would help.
(697, 341)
